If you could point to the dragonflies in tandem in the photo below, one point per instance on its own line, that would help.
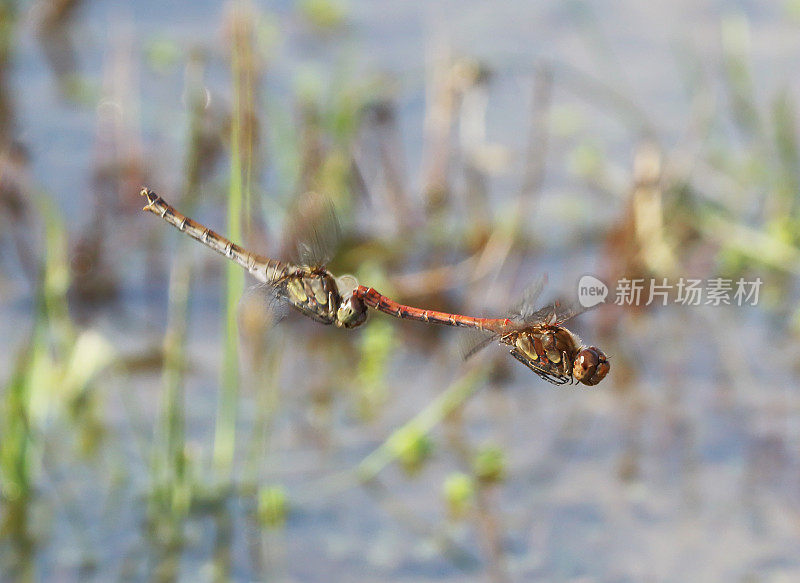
(310, 289)
(537, 339)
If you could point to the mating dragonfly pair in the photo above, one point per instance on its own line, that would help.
(537, 339)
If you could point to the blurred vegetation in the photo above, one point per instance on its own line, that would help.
(722, 202)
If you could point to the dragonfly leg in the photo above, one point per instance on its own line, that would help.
(556, 379)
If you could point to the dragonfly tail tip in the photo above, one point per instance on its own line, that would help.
(150, 196)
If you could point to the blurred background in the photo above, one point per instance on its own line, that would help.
(157, 423)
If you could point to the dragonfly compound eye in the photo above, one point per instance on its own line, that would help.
(591, 366)
(351, 313)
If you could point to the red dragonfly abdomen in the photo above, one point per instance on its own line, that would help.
(380, 302)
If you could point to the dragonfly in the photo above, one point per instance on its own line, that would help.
(312, 290)
(538, 339)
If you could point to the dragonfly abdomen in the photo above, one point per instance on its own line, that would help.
(380, 302)
(262, 268)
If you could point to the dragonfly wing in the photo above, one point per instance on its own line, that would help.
(473, 341)
(525, 306)
(566, 309)
(273, 301)
(312, 231)
(261, 308)
(556, 312)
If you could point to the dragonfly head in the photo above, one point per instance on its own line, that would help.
(591, 366)
(351, 313)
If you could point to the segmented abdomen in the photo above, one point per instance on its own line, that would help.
(263, 268)
(384, 304)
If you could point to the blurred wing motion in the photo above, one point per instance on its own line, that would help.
(524, 308)
(313, 231)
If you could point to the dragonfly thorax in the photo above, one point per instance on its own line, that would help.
(548, 350)
(316, 293)
(352, 311)
(312, 291)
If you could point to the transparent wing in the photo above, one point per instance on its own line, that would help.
(556, 312)
(262, 305)
(472, 341)
(525, 307)
(312, 231)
